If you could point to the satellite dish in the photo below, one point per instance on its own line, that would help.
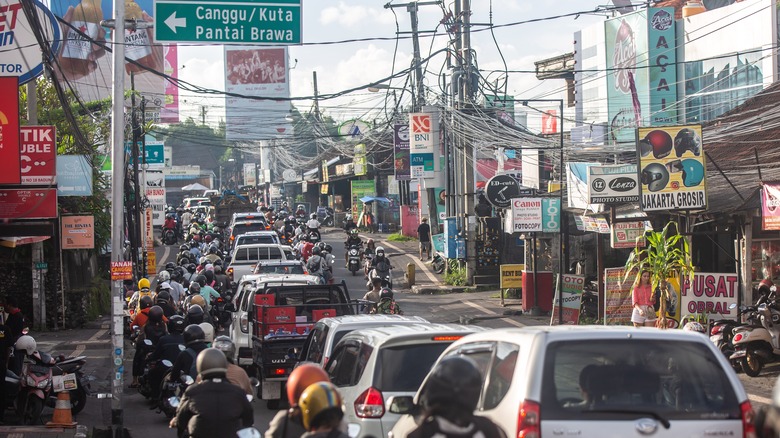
(289, 175)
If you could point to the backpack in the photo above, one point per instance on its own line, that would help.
(315, 265)
(193, 372)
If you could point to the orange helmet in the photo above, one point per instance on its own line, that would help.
(301, 378)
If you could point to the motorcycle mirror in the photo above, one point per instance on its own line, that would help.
(167, 363)
(773, 289)
(182, 347)
(254, 382)
(135, 327)
(148, 342)
(174, 402)
(732, 306)
(249, 432)
(187, 379)
(249, 398)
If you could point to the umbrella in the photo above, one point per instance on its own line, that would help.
(367, 199)
(194, 187)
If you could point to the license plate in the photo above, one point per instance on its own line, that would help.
(739, 353)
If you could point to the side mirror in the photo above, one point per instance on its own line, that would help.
(182, 347)
(136, 328)
(401, 404)
(732, 306)
(250, 398)
(174, 402)
(166, 363)
(148, 342)
(187, 379)
(254, 382)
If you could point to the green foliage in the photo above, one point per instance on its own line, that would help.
(398, 237)
(456, 276)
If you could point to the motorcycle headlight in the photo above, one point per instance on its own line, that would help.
(43, 383)
(29, 381)
(352, 252)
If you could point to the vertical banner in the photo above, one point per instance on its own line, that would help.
(401, 158)
(422, 144)
(78, 232)
(360, 162)
(662, 48)
(250, 178)
(359, 189)
(673, 311)
(770, 206)
(571, 294)
(10, 165)
(672, 168)
(169, 113)
(325, 174)
(38, 155)
(155, 193)
(617, 297)
(710, 293)
(550, 122)
(149, 228)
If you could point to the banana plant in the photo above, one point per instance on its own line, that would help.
(666, 254)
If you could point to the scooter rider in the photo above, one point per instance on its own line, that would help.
(195, 341)
(300, 212)
(235, 374)
(352, 239)
(313, 225)
(349, 224)
(166, 349)
(316, 264)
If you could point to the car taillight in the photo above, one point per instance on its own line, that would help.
(738, 337)
(244, 321)
(370, 404)
(278, 371)
(748, 428)
(528, 420)
(446, 338)
(716, 329)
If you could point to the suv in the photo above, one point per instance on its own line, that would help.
(329, 331)
(281, 267)
(370, 366)
(258, 237)
(583, 381)
(243, 227)
(245, 258)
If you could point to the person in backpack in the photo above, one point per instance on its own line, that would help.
(194, 341)
(316, 264)
(387, 304)
(153, 329)
(166, 349)
(448, 400)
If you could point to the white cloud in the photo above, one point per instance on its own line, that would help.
(352, 15)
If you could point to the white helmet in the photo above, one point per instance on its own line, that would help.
(26, 343)
(694, 326)
(208, 331)
(163, 276)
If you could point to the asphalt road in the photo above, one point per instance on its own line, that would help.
(481, 308)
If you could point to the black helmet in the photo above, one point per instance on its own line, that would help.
(201, 280)
(170, 266)
(225, 345)
(209, 276)
(385, 293)
(455, 380)
(145, 302)
(194, 288)
(191, 268)
(212, 249)
(321, 245)
(211, 362)
(184, 247)
(217, 262)
(164, 296)
(177, 274)
(313, 215)
(328, 248)
(316, 250)
(156, 314)
(193, 333)
(195, 314)
(176, 324)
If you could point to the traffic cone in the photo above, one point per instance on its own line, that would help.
(63, 417)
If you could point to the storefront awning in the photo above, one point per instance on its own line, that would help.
(367, 199)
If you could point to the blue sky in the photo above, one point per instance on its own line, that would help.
(349, 65)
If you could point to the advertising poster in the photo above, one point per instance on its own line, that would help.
(423, 136)
(662, 53)
(571, 294)
(441, 210)
(536, 215)
(22, 58)
(512, 276)
(88, 66)
(155, 193)
(38, 154)
(710, 293)
(770, 206)
(624, 234)
(613, 184)
(78, 232)
(249, 174)
(673, 309)
(257, 72)
(617, 297)
(401, 156)
(10, 168)
(360, 189)
(594, 224)
(672, 168)
(169, 113)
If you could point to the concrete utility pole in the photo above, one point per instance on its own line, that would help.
(38, 275)
(316, 96)
(467, 97)
(117, 214)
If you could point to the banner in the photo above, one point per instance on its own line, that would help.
(710, 293)
(169, 113)
(624, 234)
(617, 297)
(536, 215)
(423, 135)
(249, 174)
(770, 201)
(38, 155)
(401, 156)
(74, 176)
(595, 224)
(571, 295)
(672, 168)
(10, 164)
(28, 203)
(78, 232)
(361, 188)
(613, 184)
(511, 275)
(360, 161)
(155, 194)
(149, 229)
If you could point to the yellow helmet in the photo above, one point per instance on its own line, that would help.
(197, 299)
(143, 284)
(318, 398)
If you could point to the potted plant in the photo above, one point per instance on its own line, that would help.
(666, 254)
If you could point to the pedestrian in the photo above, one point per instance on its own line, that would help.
(424, 233)
(483, 208)
(642, 300)
(15, 321)
(5, 348)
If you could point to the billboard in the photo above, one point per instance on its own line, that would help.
(710, 293)
(74, 176)
(78, 232)
(21, 52)
(401, 158)
(770, 201)
(38, 154)
(423, 133)
(262, 75)
(615, 184)
(88, 66)
(361, 188)
(10, 169)
(169, 113)
(672, 168)
(536, 215)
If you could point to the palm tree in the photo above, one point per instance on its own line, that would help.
(667, 254)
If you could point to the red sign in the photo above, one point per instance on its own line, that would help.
(121, 271)
(38, 154)
(10, 172)
(550, 122)
(770, 206)
(28, 204)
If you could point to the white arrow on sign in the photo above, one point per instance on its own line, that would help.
(173, 22)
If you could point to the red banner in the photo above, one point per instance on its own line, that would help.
(550, 122)
(770, 206)
(28, 204)
(10, 170)
(38, 154)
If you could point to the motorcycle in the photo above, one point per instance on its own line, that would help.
(169, 236)
(314, 235)
(755, 346)
(35, 386)
(589, 303)
(172, 391)
(353, 258)
(383, 271)
(78, 396)
(219, 315)
(438, 263)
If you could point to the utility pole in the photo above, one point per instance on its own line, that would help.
(142, 194)
(467, 98)
(203, 112)
(139, 191)
(316, 97)
(38, 275)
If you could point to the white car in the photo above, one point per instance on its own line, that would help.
(246, 257)
(242, 302)
(253, 237)
(568, 381)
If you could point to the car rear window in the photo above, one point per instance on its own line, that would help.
(612, 379)
(402, 368)
(242, 228)
(279, 269)
(255, 254)
(250, 240)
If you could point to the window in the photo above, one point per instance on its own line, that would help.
(314, 348)
(403, 367)
(279, 269)
(250, 240)
(676, 379)
(496, 362)
(344, 364)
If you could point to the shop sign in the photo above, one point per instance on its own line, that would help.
(121, 271)
(711, 294)
(28, 203)
(593, 224)
(38, 154)
(422, 141)
(78, 232)
(671, 168)
(571, 295)
(10, 168)
(625, 234)
(613, 184)
(250, 176)
(18, 42)
(512, 276)
(401, 157)
(501, 189)
(325, 176)
(155, 193)
(770, 206)
(151, 262)
(617, 297)
(536, 215)
(74, 176)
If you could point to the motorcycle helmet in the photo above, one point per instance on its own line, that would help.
(163, 276)
(659, 142)
(654, 175)
(164, 296)
(26, 343)
(313, 215)
(694, 326)
(203, 261)
(765, 286)
(385, 293)
(687, 140)
(194, 288)
(199, 301)
(301, 378)
(145, 302)
(207, 238)
(217, 268)
(321, 246)
(201, 280)
(380, 251)
(209, 274)
(177, 274)
(226, 346)
(184, 248)
(317, 401)
(455, 380)
(693, 172)
(170, 266)
(328, 248)
(195, 314)
(196, 238)
(208, 331)
(211, 363)
(193, 333)
(156, 314)
(191, 268)
(176, 324)
(316, 250)
(164, 286)
(143, 284)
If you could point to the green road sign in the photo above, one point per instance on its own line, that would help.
(271, 22)
(155, 152)
(41, 266)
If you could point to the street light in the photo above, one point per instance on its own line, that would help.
(379, 87)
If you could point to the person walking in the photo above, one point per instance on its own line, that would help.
(424, 233)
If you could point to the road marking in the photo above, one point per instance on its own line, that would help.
(98, 334)
(79, 349)
(422, 267)
(759, 399)
(490, 312)
(166, 253)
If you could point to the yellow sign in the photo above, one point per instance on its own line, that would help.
(324, 189)
(151, 262)
(149, 230)
(512, 276)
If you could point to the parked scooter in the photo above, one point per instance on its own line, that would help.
(589, 303)
(755, 346)
(438, 263)
(78, 396)
(722, 335)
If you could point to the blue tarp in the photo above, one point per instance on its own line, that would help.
(367, 199)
